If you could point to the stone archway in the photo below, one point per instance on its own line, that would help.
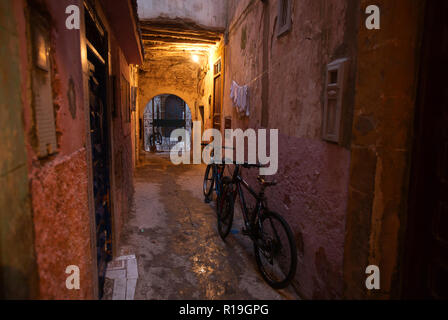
(150, 94)
(163, 109)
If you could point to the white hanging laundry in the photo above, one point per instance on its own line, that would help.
(240, 98)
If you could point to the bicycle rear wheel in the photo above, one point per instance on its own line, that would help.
(158, 138)
(275, 250)
(225, 208)
(209, 181)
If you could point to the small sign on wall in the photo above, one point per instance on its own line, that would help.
(41, 87)
(334, 90)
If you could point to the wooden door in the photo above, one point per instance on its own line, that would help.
(426, 263)
(217, 95)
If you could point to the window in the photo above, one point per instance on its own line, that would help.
(41, 85)
(284, 17)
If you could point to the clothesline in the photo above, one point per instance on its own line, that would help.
(269, 70)
(240, 98)
(240, 94)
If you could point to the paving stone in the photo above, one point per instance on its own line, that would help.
(116, 274)
(119, 289)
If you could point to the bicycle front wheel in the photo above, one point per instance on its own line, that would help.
(225, 208)
(275, 250)
(209, 181)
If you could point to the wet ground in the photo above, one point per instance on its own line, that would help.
(173, 234)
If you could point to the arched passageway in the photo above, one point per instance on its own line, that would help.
(162, 115)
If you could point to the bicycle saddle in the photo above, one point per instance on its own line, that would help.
(266, 183)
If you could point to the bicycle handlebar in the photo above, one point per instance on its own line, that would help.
(206, 144)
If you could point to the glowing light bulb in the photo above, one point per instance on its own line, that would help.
(195, 58)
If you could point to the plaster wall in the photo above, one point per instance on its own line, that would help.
(60, 210)
(210, 13)
(386, 87)
(60, 187)
(313, 174)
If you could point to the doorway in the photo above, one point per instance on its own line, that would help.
(162, 115)
(426, 256)
(97, 55)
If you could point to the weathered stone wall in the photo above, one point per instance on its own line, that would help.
(313, 175)
(62, 228)
(60, 186)
(59, 183)
(387, 67)
(176, 75)
(210, 13)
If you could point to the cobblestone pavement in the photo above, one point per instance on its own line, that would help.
(179, 253)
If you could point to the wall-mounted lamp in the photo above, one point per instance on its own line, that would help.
(195, 58)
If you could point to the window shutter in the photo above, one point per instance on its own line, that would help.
(42, 92)
(284, 20)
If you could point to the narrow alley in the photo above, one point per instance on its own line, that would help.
(114, 113)
(173, 235)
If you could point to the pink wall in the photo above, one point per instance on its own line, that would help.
(313, 174)
(59, 183)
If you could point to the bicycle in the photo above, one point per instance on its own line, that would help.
(213, 179)
(155, 138)
(263, 227)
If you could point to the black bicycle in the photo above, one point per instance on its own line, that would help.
(274, 246)
(155, 138)
(213, 178)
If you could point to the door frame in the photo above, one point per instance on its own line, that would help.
(220, 74)
(110, 99)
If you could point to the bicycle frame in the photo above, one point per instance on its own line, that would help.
(259, 197)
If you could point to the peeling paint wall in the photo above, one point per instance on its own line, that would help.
(388, 65)
(57, 188)
(59, 183)
(210, 13)
(313, 174)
